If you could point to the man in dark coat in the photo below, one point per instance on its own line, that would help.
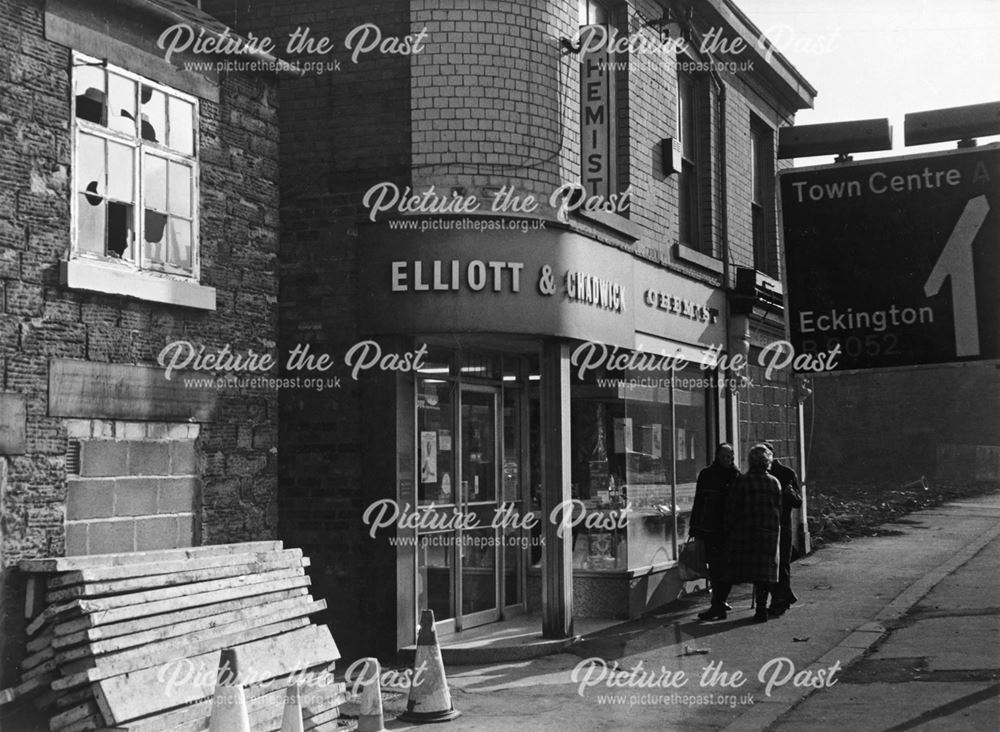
(707, 524)
(753, 525)
(791, 498)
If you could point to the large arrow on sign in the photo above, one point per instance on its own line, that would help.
(955, 261)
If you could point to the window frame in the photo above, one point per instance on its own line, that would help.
(762, 198)
(584, 8)
(689, 180)
(139, 262)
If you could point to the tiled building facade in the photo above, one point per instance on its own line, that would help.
(495, 97)
(138, 208)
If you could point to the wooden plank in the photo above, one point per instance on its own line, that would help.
(336, 725)
(41, 642)
(49, 666)
(34, 598)
(167, 606)
(187, 643)
(25, 688)
(45, 617)
(133, 663)
(152, 622)
(265, 658)
(103, 574)
(150, 597)
(67, 699)
(98, 390)
(39, 656)
(86, 724)
(50, 700)
(269, 716)
(135, 584)
(69, 564)
(302, 605)
(194, 717)
(317, 720)
(73, 714)
(265, 710)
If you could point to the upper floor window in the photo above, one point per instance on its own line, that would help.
(593, 13)
(135, 170)
(765, 255)
(689, 199)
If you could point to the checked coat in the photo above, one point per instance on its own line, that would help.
(753, 527)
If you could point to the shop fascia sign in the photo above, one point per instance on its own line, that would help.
(681, 306)
(480, 275)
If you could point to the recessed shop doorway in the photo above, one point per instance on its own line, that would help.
(472, 451)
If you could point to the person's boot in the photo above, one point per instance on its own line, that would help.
(760, 600)
(715, 612)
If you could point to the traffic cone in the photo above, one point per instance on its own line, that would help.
(229, 704)
(370, 717)
(291, 718)
(430, 700)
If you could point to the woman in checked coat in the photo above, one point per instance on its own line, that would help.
(753, 520)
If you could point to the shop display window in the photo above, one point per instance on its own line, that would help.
(638, 442)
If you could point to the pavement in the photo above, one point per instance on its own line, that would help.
(891, 633)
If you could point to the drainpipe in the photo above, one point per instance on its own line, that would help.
(732, 405)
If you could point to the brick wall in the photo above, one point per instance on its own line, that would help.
(494, 96)
(768, 412)
(235, 452)
(135, 493)
(892, 426)
(341, 132)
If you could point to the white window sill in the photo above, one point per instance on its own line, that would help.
(693, 256)
(81, 274)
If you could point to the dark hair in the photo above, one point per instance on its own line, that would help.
(768, 444)
(721, 445)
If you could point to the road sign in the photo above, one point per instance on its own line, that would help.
(895, 260)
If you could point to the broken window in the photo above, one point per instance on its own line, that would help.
(135, 170)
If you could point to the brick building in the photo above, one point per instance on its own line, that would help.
(102, 138)
(493, 100)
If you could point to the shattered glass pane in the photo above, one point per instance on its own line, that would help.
(121, 172)
(88, 87)
(119, 230)
(91, 174)
(154, 115)
(154, 182)
(181, 126)
(121, 104)
(180, 243)
(180, 190)
(90, 224)
(154, 236)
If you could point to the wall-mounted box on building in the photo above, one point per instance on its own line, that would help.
(672, 156)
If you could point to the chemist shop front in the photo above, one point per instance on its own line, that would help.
(546, 382)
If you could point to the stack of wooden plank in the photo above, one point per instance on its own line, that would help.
(133, 641)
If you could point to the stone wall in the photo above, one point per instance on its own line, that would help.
(223, 470)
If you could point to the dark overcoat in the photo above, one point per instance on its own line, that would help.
(753, 527)
(708, 513)
(791, 498)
